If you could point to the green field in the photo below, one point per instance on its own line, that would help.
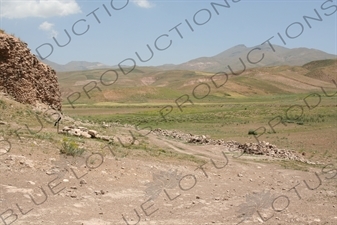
(233, 119)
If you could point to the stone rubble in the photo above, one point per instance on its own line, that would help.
(263, 148)
(80, 131)
(84, 132)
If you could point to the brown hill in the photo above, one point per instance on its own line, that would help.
(146, 84)
(281, 56)
(322, 69)
(24, 77)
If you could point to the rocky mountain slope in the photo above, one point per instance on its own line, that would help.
(76, 66)
(272, 57)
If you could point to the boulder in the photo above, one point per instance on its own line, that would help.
(85, 134)
(93, 133)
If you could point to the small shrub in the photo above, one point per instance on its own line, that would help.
(3, 104)
(70, 147)
(2, 31)
(252, 132)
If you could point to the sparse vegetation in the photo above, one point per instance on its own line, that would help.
(229, 121)
(252, 132)
(70, 147)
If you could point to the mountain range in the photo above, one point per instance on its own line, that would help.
(275, 56)
(75, 66)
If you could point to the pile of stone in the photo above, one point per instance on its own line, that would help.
(189, 138)
(174, 134)
(202, 139)
(199, 139)
(84, 132)
(263, 148)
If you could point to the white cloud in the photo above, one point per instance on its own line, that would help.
(38, 8)
(143, 3)
(48, 27)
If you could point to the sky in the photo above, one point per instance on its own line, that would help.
(112, 31)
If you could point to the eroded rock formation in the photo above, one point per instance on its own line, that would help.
(24, 77)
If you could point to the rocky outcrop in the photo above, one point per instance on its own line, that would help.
(24, 77)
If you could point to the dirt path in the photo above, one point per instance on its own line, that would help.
(119, 189)
(204, 152)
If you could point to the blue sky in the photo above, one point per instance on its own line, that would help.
(139, 23)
